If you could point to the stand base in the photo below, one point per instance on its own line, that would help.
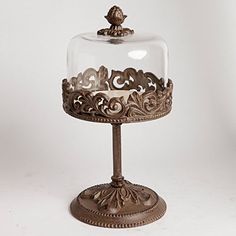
(110, 206)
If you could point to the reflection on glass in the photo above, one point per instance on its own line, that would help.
(137, 54)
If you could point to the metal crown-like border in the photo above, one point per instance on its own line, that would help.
(149, 97)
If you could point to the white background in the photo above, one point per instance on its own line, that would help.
(188, 157)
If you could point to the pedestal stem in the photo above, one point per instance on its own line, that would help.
(119, 204)
(117, 178)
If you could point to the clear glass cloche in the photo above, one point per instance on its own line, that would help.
(123, 71)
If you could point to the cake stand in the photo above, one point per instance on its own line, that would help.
(117, 77)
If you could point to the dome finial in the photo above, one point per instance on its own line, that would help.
(115, 17)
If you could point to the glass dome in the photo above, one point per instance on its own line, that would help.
(118, 75)
(147, 52)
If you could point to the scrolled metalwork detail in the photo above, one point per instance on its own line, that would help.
(142, 96)
(99, 104)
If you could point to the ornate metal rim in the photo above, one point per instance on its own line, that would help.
(154, 102)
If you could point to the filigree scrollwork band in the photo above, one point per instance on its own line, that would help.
(87, 96)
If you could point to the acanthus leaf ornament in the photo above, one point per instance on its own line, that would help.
(112, 199)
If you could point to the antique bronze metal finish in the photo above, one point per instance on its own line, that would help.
(119, 204)
(117, 97)
(117, 178)
(149, 98)
(115, 17)
(118, 207)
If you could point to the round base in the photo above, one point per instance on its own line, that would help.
(118, 207)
